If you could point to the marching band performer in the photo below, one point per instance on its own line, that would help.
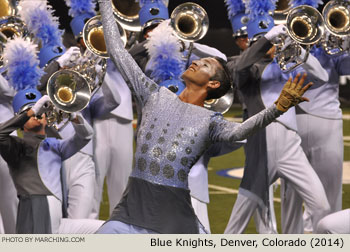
(35, 160)
(112, 147)
(268, 155)
(157, 198)
(320, 126)
(8, 196)
(164, 60)
(335, 223)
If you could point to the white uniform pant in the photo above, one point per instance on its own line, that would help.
(119, 227)
(268, 226)
(61, 225)
(335, 223)
(201, 210)
(322, 142)
(80, 171)
(113, 155)
(286, 160)
(2, 231)
(8, 199)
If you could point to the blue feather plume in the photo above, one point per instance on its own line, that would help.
(234, 7)
(166, 68)
(78, 7)
(313, 3)
(256, 8)
(22, 64)
(40, 21)
(143, 2)
(163, 48)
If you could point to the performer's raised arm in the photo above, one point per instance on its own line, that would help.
(137, 81)
(292, 94)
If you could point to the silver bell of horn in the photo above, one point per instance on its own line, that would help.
(223, 104)
(336, 15)
(94, 39)
(305, 26)
(281, 11)
(71, 89)
(189, 21)
(127, 14)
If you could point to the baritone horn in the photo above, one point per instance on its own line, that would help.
(70, 90)
(223, 104)
(281, 11)
(10, 25)
(336, 15)
(127, 14)
(93, 36)
(189, 21)
(305, 26)
(8, 8)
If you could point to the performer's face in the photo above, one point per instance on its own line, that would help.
(35, 124)
(242, 42)
(200, 71)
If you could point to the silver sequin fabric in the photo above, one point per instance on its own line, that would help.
(173, 134)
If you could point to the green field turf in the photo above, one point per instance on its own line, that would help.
(221, 202)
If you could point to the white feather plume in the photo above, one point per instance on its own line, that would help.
(163, 48)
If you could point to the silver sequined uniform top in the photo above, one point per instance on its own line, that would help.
(173, 134)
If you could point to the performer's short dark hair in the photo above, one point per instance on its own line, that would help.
(223, 76)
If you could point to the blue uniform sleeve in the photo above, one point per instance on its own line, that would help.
(342, 64)
(11, 148)
(6, 92)
(221, 130)
(107, 98)
(83, 134)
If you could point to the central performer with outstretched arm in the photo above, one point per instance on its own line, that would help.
(174, 132)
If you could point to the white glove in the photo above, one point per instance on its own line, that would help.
(275, 32)
(287, 43)
(302, 53)
(72, 116)
(69, 57)
(41, 105)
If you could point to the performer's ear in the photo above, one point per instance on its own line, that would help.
(213, 84)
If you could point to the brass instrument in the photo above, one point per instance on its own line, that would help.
(127, 14)
(8, 8)
(223, 104)
(189, 21)
(70, 89)
(94, 39)
(10, 25)
(305, 27)
(336, 15)
(281, 11)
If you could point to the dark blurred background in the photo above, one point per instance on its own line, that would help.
(218, 36)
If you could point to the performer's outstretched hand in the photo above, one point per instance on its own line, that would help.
(292, 93)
